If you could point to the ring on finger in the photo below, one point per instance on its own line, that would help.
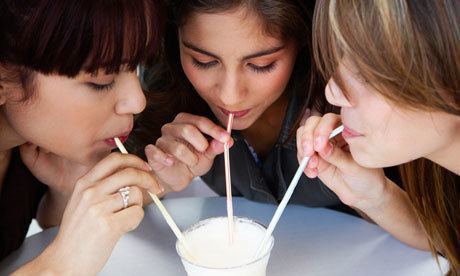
(124, 192)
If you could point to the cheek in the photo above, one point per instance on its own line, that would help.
(201, 80)
(271, 86)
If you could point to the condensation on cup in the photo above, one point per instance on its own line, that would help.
(213, 255)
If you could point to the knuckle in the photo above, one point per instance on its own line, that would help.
(180, 116)
(187, 131)
(180, 150)
(165, 128)
(88, 195)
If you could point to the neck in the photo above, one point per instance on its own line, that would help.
(448, 157)
(264, 132)
(8, 137)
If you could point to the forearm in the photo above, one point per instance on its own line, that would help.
(395, 213)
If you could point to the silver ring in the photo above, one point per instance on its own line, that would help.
(124, 192)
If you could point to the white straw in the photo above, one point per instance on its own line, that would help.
(163, 211)
(287, 196)
(228, 181)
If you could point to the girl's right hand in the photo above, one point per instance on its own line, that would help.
(183, 151)
(95, 218)
(356, 186)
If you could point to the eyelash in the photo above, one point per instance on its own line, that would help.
(101, 87)
(258, 69)
(263, 69)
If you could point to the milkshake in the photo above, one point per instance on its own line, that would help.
(213, 255)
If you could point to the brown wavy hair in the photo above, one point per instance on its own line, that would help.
(170, 92)
(409, 51)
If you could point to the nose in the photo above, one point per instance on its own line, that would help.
(335, 95)
(232, 89)
(131, 97)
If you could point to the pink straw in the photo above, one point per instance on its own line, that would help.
(228, 182)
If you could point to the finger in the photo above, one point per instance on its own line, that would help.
(323, 130)
(157, 158)
(187, 132)
(205, 125)
(305, 136)
(135, 197)
(128, 177)
(178, 149)
(337, 157)
(111, 164)
(311, 173)
(128, 219)
(215, 148)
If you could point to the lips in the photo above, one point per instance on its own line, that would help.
(236, 114)
(350, 133)
(122, 136)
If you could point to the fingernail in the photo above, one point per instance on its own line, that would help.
(161, 188)
(319, 141)
(169, 161)
(307, 148)
(147, 166)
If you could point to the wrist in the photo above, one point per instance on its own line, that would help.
(380, 200)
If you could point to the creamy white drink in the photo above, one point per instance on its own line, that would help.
(214, 255)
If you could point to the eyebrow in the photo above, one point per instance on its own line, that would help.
(257, 54)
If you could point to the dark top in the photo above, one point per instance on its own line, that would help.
(268, 180)
(19, 199)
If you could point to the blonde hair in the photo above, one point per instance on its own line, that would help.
(409, 51)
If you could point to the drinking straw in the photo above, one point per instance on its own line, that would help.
(287, 196)
(163, 210)
(228, 181)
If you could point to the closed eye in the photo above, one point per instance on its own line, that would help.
(100, 87)
(203, 65)
(262, 69)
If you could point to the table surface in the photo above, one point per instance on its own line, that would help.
(308, 241)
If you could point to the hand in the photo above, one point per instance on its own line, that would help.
(57, 173)
(183, 152)
(332, 162)
(95, 219)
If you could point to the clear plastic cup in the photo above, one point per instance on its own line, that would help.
(213, 255)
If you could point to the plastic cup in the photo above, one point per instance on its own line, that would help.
(213, 255)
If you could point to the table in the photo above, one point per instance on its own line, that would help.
(308, 241)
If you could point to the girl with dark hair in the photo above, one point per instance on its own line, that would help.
(249, 58)
(68, 86)
(394, 71)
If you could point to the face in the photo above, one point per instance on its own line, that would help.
(382, 134)
(233, 65)
(77, 118)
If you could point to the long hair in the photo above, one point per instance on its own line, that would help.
(170, 92)
(68, 36)
(409, 51)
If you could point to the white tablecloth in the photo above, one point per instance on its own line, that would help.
(308, 241)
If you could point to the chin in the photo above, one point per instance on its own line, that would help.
(366, 160)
